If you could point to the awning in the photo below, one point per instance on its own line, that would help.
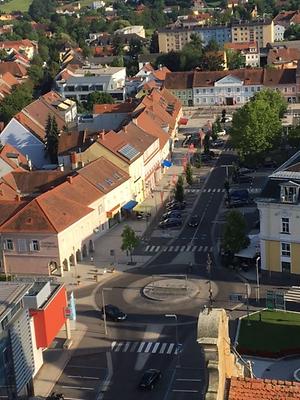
(130, 205)
(111, 213)
(183, 121)
(142, 208)
(167, 163)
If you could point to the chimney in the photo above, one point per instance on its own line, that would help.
(29, 164)
(61, 167)
(73, 159)
(125, 128)
(70, 179)
(102, 133)
(84, 135)
(18, 197)
(135, 121)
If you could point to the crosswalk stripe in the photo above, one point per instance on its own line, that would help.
(293, 294)
(152, 248)
(205, 248)
(155, 347)
(208, 190)
(213, 190)
(118, 347)
(149, 345)
(141, 346)
(134, 346)
(182, 248)
(170, 348)
(113, 345)
(176, 248)
(126, 347)
(162, 349)
(188, 248)
(194, 248)
(157, 249)
(147, 248)
(200, 248)
(170, 248)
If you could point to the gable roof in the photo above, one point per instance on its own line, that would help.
(179, 80)
(283, 55)
(103, 174)
(263, 389)
(13, 157)
(160, 74)
(9, 208)
(126, 107)
(152, 124)
(48, 213)
(16, 69)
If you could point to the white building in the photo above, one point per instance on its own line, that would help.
(279, 33)
(129, 30)
(80, 83)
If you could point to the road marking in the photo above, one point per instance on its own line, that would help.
(170, 248)
(141, 346)
(213, 190)
(83, 377)
(78, 388)
(176, 248)
(147, 247)
(205, 248)
(113, 345)
(200, 248)
(157, 249)
(182, 248)
(170, 348)
(155, 347)
(194, 248)
(119, 345)
(188, 248)
(72, 398)
(188, 380)
(148, 347)
(152, 248)
(134, 346)
(162, 349)
(126, 347)
(185, 390)
(208, 190)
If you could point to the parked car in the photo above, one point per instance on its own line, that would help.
(114, 313)
(170, 223)
(217, 143)
(171, 214)
(194, 221)
(176, 206)
(244, 170)
(240, 178)
(206, 157)
(150, 378)
(222, 133)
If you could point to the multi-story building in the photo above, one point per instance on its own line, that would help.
(282, 21)
(79, 83)
(235, 86)
(249, 50)
(259, 30)
(279, 208)
(181, 85)
(174, 39)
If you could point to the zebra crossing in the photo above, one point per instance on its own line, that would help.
(228, 149)
(218, 190)
(146, 347)
(178, 249)
(293, 294)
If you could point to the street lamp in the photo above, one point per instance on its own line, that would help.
(177, 343)
(257, 280)
(208, 266)
(103, 308)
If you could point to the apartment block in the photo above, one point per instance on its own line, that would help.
(260, 31)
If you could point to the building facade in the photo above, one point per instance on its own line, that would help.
(260, 31)
(279, 209)
(249, 50)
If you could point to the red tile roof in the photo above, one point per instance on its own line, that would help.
(241, 45)
(152, 124)
(161, 73)
(126, 107)
(103, 174)
(283, 55)
(284, 18)
(8, 154)
(263, 389)
(17, 70)
(9, 208)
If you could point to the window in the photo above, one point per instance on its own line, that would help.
(100, 209)
(288, 194)
(285, 250)
(228, 90)
(237, 89)
(285, 225)
(9, 244)
(285, 266)
(204, 91)
(34, 245)
(246, 89)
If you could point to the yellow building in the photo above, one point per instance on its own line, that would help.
(279, 207)
(260, 31)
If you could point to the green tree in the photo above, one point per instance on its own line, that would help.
(235, 59)
(234, 236)
(40, 9)
(98, 98)
(179, 190)
(274, 98)
(206, 143)
(118, 45)
(171, 60)
(293, 136)
(135, 48)
(3, 55)
(36, 74)
(118, 61)
(129, 241)
(255, 127)
(52, 139)
(20, 97)
(189, 174)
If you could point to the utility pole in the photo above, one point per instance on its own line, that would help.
(209, 263)
(257, 280)
(247, 287)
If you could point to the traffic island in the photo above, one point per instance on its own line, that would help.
(170, 289)
(269, 333)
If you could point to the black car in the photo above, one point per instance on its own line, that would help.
(171, 214)
(194, 221)
(114, 313)
(176, 205)
(243, 179)
(150, 379)
(170, 223)
(238, 202)
(217, 143)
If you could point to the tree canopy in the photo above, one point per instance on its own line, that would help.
(234, 235)
(52, 138)
(98, 98)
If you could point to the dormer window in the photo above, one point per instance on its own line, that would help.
(289, 194)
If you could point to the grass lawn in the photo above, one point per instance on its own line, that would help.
(15, 5)
(278, 331)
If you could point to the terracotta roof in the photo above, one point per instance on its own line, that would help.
(179, 80)
(283, 55)
(150, 85)
(69, 141)
(147, 67)
(12, 156)
(7, 192)
(17, 70)
(263, 389)
(161, 73)
(274, 77)
(48, 213)
(208, 78)
(126, 107)
(103, 174)
(284, 18)
(9, 208)
(17, 44)
(152, 124)
(241, 45)
(8, 78)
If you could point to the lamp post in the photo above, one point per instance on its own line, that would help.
(103, 308)
(177, 343)
(257, 280)
(208, 266)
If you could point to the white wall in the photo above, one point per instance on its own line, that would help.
(37, 353)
